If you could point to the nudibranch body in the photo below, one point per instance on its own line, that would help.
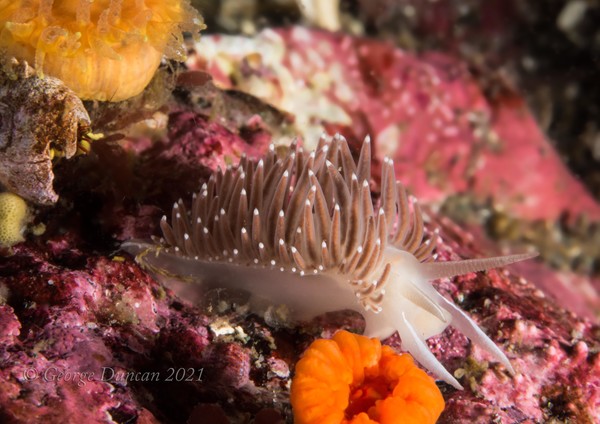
(303, 230)
(101, 49)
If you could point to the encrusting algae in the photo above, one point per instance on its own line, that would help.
(101, 49)
(352, 379)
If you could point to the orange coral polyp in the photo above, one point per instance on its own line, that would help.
(352, 379)
(101, 49)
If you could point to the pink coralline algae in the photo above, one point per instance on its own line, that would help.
(87, 337)
(426, 111)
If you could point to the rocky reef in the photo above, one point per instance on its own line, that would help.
(87, 335)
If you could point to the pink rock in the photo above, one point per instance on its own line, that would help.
(427, 112)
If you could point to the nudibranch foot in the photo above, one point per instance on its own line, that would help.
(303, 230)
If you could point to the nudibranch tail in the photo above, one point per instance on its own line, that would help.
(303, 229)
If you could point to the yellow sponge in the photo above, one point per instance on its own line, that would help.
(13, 219)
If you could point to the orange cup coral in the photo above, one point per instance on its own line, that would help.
(353, 379)
(101, 49)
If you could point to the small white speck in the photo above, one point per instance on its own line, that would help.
(255, 212)
(178, 216)
(198, 220)
(244, 230)
(365, 183)
(286, 174)
(294, 270)
(186, 236)
(175, 205)
(354, 177)
(243, 192)
(164, 218)
(282, 269)
(176, 249)
(281, 213)
(235, 252)
(273, 263)
(222, 211)
(261, 245)
(255, 261)
(281, 242)
(205, 230)
(324, 244)
(293, 249)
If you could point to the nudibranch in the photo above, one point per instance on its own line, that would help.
(303, 230)
(101, 49)
(352, 379)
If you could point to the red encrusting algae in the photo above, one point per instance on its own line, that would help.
(353, 379)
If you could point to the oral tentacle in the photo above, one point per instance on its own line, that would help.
(437, 270)
(419, 349)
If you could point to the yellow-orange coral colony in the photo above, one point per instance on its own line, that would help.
(353, 379)
(101, 49)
